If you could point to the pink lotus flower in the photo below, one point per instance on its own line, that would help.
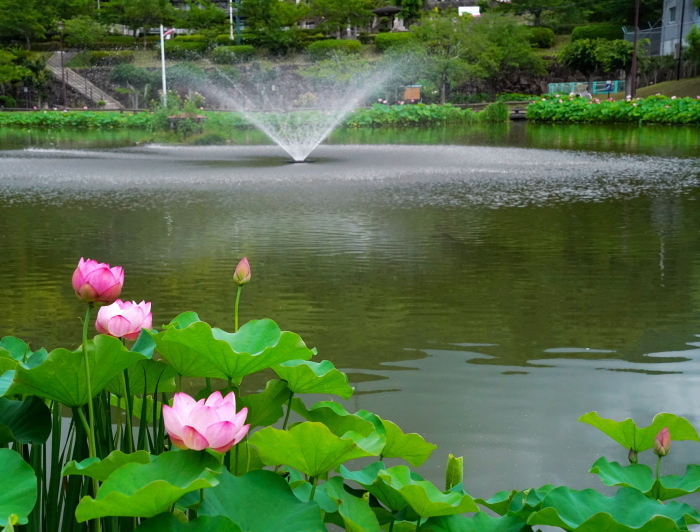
(242, 274)
(198, 425)
(96, 282)
(124, 319)
(662, 442)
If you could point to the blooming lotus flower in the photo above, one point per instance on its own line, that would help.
(96, 282)
(124, 319)
(242, 274)
(212, 424)
(662, 442)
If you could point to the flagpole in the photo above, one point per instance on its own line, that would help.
(162, 62)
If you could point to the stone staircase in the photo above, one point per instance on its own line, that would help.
(78, 83)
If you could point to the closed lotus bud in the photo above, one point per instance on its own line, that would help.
(96, 282)
(632, 456)
(662, 442)
(242, 274)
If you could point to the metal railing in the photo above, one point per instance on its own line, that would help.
(599, 87)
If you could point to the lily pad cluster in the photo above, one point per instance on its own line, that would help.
(302, 467)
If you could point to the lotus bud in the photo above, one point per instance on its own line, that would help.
(662, 442)
(454, 472)
(242, 274)
(632, 456)
(96, 282)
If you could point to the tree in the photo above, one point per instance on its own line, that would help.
(27, 19)
(335, 15)
(202, 14)
(444, 40)
(582, 55)
(84, 31)
(411, 10)
(144, 14)
(536, 8)
(691, 52)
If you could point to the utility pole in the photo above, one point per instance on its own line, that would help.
(60, 27)
(238, 22)
(633, 76)
(230, 19)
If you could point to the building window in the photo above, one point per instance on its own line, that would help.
(672, 14)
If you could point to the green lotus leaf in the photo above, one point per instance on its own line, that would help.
(425, 499)
(478, 523)
(11, 522)
(356, 512)
(144, 344)
(411, 447)
(454, 472)
(627, 434)
(200, 351)
(101, 469)
(526, 502)
(629, 510)
(302, 489)
(7, 377)
(18, 488)
(183, 320)
(303, 376)
(19, 351)
(27, 421)
(145, 490)
(499, 503)
(167, 522)
(638, 476)
(334, 416)
(242, 462)
(265, 408)
(672, 486)
(153, 373)
(62, 376)
(261, 501)
(312, 448)
(368, 478)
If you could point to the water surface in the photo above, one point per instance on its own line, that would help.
(485, 296)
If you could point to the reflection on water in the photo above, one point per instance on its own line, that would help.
(485, 297)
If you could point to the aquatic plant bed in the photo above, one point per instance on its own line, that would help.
(75, 119)
(141, 453)
(650, 110)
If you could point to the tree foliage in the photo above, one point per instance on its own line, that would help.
(83, 31)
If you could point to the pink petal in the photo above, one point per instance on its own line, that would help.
(193, 439)
(178, 442)
(87, 293)
(227, 412)
(241, 434)
(183, 404)
(111, 293)
(230, 398)
(220, 434)
(119, 326)
(202, 417)
(239, 418)
(172, 421)
(214, 399)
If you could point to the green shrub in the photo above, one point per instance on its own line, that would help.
(541, 37)
(208, 139)
(496, 112)
(50, 46)
(366, 38)
(324, 49)
(409, 115)
(223, 76)
(185, 75)
(191, 38)
(224, 55)
(8, 101)
(126, 73)
(514, 97)
(119, 39)
(188, 50)
(384, 41)
(246, 38)
(610, 32)
(111, 58)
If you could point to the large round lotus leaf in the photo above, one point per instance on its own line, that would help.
(478, 523)
(312, 448)
(628, 511)
(17, 487)
(200, 351)
(27, 421)
(261, 501)
(168, 523)
(145, 490)
(101, 469)
(61, 377)
(627, 434)
(303, 376)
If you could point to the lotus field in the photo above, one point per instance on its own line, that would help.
(104, 438)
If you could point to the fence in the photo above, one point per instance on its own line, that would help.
(599, 87)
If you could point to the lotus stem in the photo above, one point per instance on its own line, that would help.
(314, 483)
(235, 309)
(658, 482)
(391, 526)
(418, 525)
(129, 429)
(289, 409)
(91, 412)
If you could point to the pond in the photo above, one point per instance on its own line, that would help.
(483, 287)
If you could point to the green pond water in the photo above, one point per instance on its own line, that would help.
(484, 287)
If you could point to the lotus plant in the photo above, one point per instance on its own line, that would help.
(241, 276)
(124, 319)
(205, 424)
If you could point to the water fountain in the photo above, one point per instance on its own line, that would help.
(298, 109)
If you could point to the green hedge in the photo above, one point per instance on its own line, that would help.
(541, 37)
(46, 46)
(610, 32)
(225, 55)
(191, 38)
(246, 38)
(110, 58)
(188, 50)
(651, 110)
(384, 41)
(323, 49)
